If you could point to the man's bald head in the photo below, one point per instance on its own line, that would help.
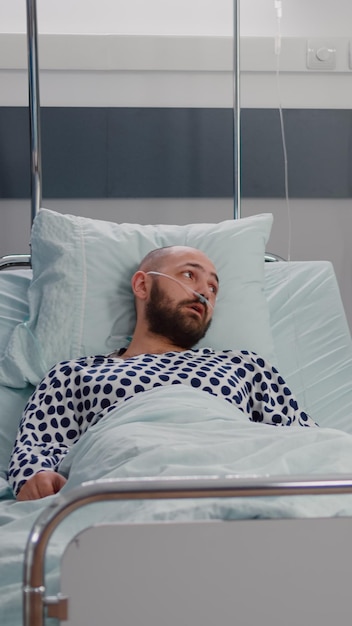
(156, 259)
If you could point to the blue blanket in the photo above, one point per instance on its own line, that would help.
(174, 431)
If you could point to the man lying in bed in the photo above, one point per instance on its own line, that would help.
(175, 291)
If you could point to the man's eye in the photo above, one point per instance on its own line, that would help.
(188, 274)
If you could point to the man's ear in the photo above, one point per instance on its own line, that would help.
(140, 285)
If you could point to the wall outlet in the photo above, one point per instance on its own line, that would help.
(321, 54)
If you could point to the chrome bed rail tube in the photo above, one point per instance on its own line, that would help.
(273, 258)
(24, 260)
(236, 112)
(34, 108)
(13, 261)
(149, 489)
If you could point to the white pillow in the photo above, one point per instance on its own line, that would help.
(13, 310)
(312, 339)
(80, 299)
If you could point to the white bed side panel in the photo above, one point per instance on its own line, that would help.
(268, 572)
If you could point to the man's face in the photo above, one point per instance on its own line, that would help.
(174, 310)
(176, 321)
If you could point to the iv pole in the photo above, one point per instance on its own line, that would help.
(236, 111)
(34, 108)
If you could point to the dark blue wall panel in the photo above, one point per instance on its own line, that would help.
(177, 153)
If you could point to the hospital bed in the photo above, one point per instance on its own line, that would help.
(222, 521)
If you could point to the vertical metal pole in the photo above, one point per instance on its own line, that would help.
(236, 111)
(34, 108)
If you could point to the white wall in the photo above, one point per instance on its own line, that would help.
(300, 18)
(165, 17)
(181, 17)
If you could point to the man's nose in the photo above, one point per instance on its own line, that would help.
(205, 290)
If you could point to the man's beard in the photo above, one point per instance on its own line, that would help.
(170, 321)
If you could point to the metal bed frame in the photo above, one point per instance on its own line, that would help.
(34, 599)
(24, 260)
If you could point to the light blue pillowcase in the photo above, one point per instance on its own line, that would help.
(80, 299)
(13, 310)
(312, 339)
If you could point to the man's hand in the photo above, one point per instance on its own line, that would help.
(43, 484)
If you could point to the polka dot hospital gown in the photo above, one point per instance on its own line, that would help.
(76, 394)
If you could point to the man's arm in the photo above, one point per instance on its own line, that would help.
(267, 398)
(47, 430)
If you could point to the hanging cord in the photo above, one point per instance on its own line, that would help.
(278, 38)
(278, 9)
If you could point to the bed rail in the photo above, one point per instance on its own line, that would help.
(271, 258)
(14, 261)
(34, 599)
(24, 260)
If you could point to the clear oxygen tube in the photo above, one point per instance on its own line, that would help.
(198, 295)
